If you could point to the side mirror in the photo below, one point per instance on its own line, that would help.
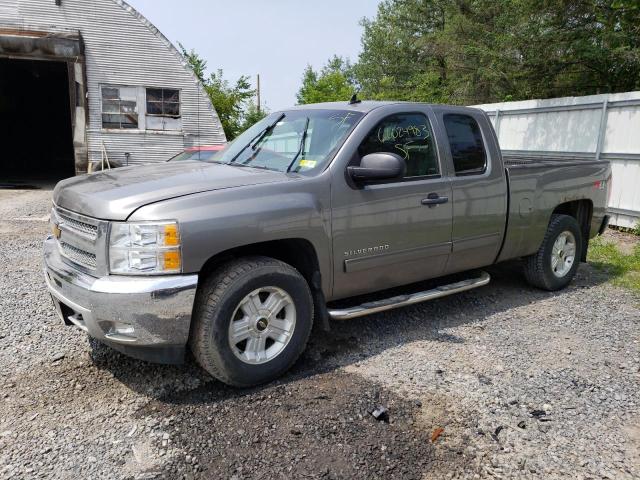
(378, 166)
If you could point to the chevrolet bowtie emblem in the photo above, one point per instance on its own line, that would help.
(56, 230)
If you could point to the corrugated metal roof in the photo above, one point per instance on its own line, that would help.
(123, 48)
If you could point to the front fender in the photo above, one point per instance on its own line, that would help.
(217, 221)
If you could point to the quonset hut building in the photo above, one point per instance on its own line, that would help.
(81, 78)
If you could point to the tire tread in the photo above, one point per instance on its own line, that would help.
(210, 297)
(534, 265)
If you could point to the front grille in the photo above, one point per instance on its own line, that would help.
(81, 240)
(86, 229)
(85, 259)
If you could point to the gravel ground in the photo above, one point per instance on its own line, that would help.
(500, 382)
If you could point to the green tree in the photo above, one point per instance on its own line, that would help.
(596, 45)
(233, 101)
(334, 82)
(252, 115)
(229, 101)
(477, 51)
(404, 52)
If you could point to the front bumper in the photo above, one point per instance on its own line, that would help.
(144, 317)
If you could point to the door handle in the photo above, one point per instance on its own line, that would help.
(434, 199)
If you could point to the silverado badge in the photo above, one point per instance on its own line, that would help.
(366, 250)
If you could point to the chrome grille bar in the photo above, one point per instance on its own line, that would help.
(85, 259)
(82, 228)
(81, 240)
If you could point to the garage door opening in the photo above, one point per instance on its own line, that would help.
(35, 122)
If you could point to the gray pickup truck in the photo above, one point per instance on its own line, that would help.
(315, 213)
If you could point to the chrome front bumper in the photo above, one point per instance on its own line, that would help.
(145, 317)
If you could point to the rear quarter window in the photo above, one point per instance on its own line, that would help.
(467, 146)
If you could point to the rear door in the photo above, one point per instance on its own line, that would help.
(389, 233)
(479, 187)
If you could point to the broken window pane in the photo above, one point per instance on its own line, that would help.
(128, 107)
(119, 108)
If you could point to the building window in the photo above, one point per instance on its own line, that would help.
(467, 146)
(163, 102)
(119, 107)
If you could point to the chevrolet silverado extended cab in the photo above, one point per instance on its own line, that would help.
(315, 213)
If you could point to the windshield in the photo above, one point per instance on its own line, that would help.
(202, 155)
(300, 141)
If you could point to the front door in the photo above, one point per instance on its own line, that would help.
(391, 233)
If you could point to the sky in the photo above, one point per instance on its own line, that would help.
(274, 38)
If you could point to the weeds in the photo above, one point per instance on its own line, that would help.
(624, 269)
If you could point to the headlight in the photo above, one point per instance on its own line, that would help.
(144, 248)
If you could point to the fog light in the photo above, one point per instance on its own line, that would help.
(121, 332)
(122, 329)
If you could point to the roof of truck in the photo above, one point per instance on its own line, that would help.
(366, 106)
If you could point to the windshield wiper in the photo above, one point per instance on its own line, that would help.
(259, 137)
(301, 148)
(267, 131)
(244, 165)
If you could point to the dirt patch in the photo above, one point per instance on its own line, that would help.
(313, 427)
(625, 241)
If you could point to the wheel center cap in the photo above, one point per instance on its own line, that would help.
(262, 324)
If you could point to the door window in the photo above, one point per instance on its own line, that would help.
(408, 135)
(467, 146)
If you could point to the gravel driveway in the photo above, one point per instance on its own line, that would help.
(501, 382)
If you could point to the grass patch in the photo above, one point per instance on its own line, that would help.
(623, 269)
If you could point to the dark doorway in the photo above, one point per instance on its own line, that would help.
(36, 141)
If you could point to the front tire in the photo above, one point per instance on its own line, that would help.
(555, 263)
(252, 320)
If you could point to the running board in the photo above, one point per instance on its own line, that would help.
(404, 300)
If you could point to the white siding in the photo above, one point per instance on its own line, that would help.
(573, 126)
(123, 48)
(8, 10)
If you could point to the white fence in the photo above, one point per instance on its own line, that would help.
(604, 127)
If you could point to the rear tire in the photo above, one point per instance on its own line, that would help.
(555, 263)
(252, 320)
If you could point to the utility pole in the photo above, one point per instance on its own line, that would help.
(258, 90)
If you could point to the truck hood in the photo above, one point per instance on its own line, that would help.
(116, 194)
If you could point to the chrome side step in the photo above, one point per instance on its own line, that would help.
(404, 300)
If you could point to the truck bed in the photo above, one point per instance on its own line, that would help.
(537, 185)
